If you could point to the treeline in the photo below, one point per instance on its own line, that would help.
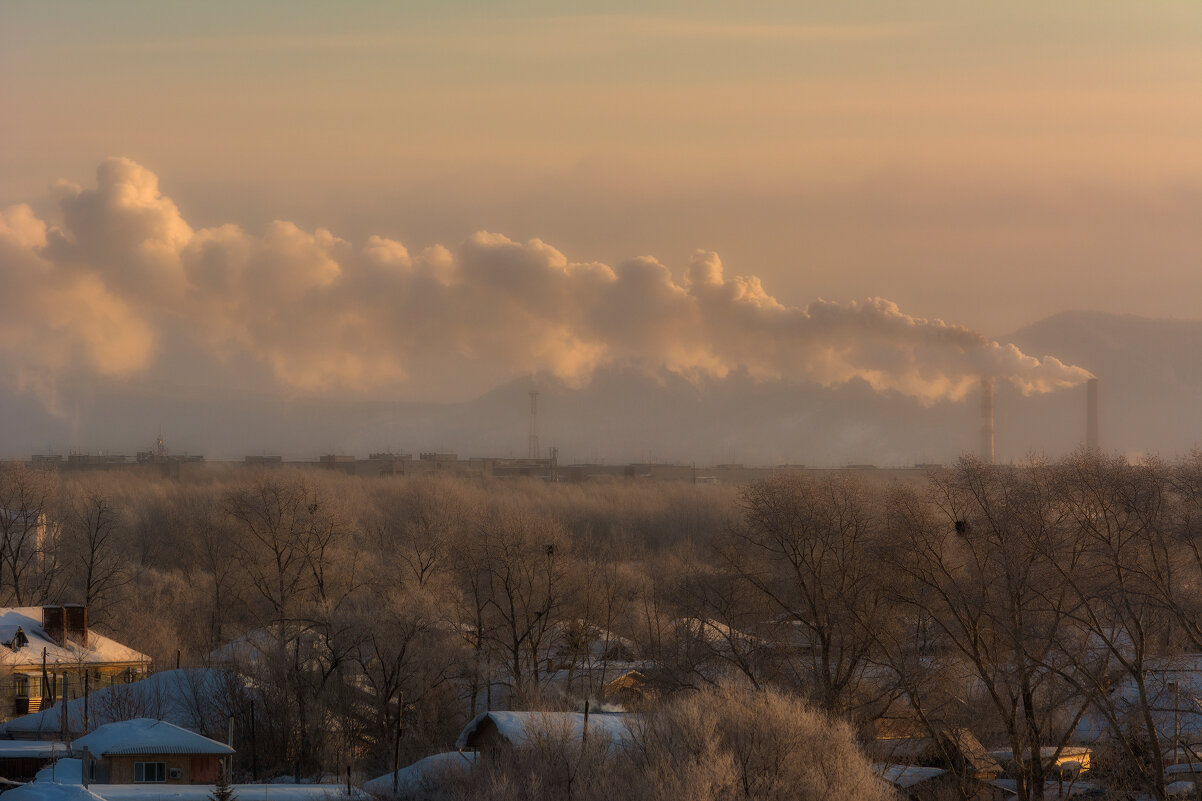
(365, 611)
(1015, 602)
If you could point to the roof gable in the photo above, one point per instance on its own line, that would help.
(99, 650)
(146, 736)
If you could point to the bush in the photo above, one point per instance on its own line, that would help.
(720, 743)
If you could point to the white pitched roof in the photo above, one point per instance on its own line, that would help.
(100, 649)
(415, 778)
(905, 776)
(146, 736)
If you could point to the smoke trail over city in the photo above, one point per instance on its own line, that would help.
(114, 283)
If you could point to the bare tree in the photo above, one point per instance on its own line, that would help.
(813, 549)
(523, 564)
(419, 522)
(97, 559)
(289, 532)
(1118, 587)
(985, 554)
(28, 532)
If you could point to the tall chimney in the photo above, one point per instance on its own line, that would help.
(1091, 416)
(986, 453)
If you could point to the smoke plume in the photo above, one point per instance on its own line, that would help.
(115, 284)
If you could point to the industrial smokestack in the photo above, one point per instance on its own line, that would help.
(1091, 416)
(986, 453)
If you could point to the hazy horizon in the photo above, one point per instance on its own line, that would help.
(300, 204)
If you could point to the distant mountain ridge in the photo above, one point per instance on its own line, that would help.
(1149, 371)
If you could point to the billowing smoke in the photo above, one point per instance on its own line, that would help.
(116, 284)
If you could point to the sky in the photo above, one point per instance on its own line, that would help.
(982, 164)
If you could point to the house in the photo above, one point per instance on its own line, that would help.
(953, 749)
(490, 730)
(62, 783)
(631, 690)
(145, 751)
(48, 653)
(20, 760)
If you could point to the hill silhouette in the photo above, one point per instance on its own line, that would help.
(1149, 370)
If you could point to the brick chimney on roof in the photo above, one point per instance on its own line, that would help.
(66, 622)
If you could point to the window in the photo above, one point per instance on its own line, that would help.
(26, 685)
(150, 771)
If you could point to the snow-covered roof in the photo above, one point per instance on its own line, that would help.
(99, 650)
(193, 698)
(422, 774)
(146, 736)
(31, 749)
(61, 791)
(517, 727)
(251, 647)
(1170, 688)
(1190, 768)
(905, 775)
(244, 792)
(1046, 752)
(1051, 789)
(592, 641)
(714, 632)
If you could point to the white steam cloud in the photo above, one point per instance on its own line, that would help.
(117, 284)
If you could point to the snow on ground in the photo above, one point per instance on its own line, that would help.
(44, 791)
(193, 698)
(67, 770)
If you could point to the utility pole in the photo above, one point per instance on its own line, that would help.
(254, 754)
(396, 756)
(62, 713)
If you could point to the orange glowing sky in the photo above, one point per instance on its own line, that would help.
(984, 163)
